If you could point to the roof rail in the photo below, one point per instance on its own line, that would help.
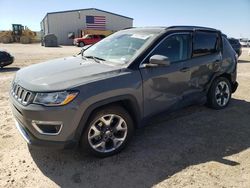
(192, 27)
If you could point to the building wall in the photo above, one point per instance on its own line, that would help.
(44, 26)
(65, 22)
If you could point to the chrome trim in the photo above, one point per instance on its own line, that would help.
(35, 122)
(180, 33)
(23, 132)
(22, 95)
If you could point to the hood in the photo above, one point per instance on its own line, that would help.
(64, 73)
(79, 38)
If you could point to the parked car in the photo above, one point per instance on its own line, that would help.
(244, 42)
(88, 39)
(236, 45)
(5, 59)
(97, 99)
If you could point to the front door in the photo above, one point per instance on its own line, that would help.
(164, 86)
(89, 40)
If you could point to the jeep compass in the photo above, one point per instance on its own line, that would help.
(98, 98)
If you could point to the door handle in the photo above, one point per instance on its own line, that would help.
(184, 69)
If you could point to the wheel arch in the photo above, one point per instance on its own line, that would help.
(215, 76)
(128, 102)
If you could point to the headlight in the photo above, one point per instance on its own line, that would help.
(55, 98)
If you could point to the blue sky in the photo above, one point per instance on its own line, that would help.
(230, 16)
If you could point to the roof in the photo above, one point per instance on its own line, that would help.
(186, 28)
(77, 10)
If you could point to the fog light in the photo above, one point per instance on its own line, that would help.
(48, 127)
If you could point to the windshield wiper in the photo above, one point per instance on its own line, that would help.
(97, 59)
(93, 57)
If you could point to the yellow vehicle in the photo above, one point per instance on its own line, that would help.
(19, 34)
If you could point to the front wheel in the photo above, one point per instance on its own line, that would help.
(81, 44)
(107, 132)
(219, 94)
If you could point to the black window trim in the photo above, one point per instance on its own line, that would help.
(170, 35)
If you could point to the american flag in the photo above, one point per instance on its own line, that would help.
(96, 22)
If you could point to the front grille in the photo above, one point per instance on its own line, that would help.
(21, 95)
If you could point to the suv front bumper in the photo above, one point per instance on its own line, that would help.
(25, 116)
(32, 140)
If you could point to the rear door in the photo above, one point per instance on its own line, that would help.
(206, 60)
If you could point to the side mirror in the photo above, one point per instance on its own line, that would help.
(158, 60)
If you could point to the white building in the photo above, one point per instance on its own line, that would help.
(65, 22)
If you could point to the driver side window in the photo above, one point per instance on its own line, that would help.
(175, 47)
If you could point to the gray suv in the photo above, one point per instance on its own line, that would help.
(98, 98)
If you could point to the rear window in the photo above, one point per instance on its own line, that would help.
(205, 43)
(226, 46)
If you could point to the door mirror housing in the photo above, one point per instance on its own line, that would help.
(158, 60)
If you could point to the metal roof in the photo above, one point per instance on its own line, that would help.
(77, 10)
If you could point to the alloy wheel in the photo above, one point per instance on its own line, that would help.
(107, 133)
(222, 93)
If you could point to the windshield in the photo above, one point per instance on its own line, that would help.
(120, 47)
(243, 40)
(86, 36)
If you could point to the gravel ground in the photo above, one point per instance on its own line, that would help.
(194, 147)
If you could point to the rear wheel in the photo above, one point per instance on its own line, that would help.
(108, 131)
(219, 94)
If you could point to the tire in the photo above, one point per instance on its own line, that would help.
(81, 44)
(107, 132)
(25, 40)
(219, 94)
(7, 39)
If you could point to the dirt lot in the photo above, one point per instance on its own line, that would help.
(195, 147)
